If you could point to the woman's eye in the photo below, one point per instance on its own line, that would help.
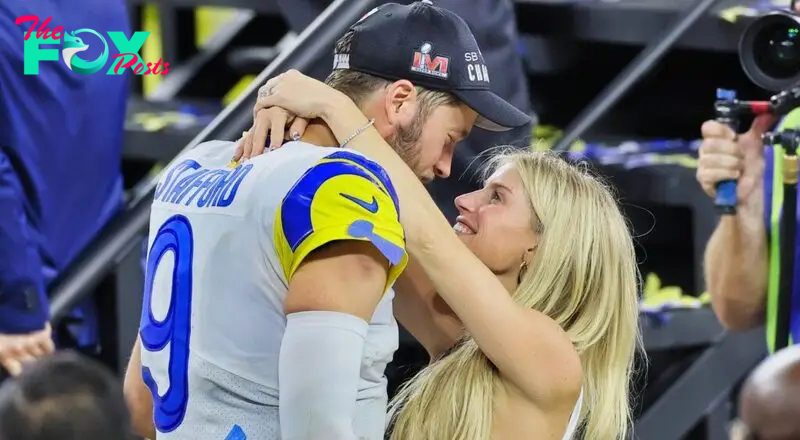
(495, 197)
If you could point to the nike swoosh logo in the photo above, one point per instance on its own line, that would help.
(371, 207)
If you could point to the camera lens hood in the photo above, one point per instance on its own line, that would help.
(769, 50)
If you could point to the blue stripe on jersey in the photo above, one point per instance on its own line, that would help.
(373, 168)
(296, 206)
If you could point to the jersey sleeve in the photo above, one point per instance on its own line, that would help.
(343, 197)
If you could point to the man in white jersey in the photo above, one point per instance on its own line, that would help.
(275, 270)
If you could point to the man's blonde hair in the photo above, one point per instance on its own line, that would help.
(584, 276)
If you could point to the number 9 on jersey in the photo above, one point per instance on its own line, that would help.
(172, 332)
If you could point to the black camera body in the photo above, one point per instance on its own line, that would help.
(770, 55)
(769, 50)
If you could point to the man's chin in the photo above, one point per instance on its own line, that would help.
(425, 177)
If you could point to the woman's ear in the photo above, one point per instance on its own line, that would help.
(528, 255)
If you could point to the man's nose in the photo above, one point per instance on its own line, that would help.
(442, 168)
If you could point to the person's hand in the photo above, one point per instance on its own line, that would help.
(298, 94)
(18, 350)
(723, 156)
(298, 99)
(272, 122)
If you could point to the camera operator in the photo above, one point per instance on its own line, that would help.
(736, 259)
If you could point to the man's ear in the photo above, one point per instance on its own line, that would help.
(401, 103)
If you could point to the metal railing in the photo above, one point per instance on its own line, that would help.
(633, 73)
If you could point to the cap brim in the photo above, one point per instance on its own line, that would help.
(494, 113)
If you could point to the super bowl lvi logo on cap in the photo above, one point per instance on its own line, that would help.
(427, 64)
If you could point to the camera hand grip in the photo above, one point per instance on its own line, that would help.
(725, 201)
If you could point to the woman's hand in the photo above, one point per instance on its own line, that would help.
(268, 121)
(290, 99)
(298, 94)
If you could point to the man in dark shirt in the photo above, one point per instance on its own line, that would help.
(60, 146)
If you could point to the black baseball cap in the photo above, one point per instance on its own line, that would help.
(433, 48)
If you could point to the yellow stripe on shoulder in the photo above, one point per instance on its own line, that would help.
(344, 196)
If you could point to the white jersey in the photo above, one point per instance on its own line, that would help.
(223, 242)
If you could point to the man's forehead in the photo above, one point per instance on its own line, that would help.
(457, 117)
(469, 117)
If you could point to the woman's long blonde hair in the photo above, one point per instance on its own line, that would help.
(584, 276)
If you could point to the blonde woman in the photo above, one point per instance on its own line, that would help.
(539, 271)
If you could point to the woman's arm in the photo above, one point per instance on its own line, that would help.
(519, 341)
(424, 313)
